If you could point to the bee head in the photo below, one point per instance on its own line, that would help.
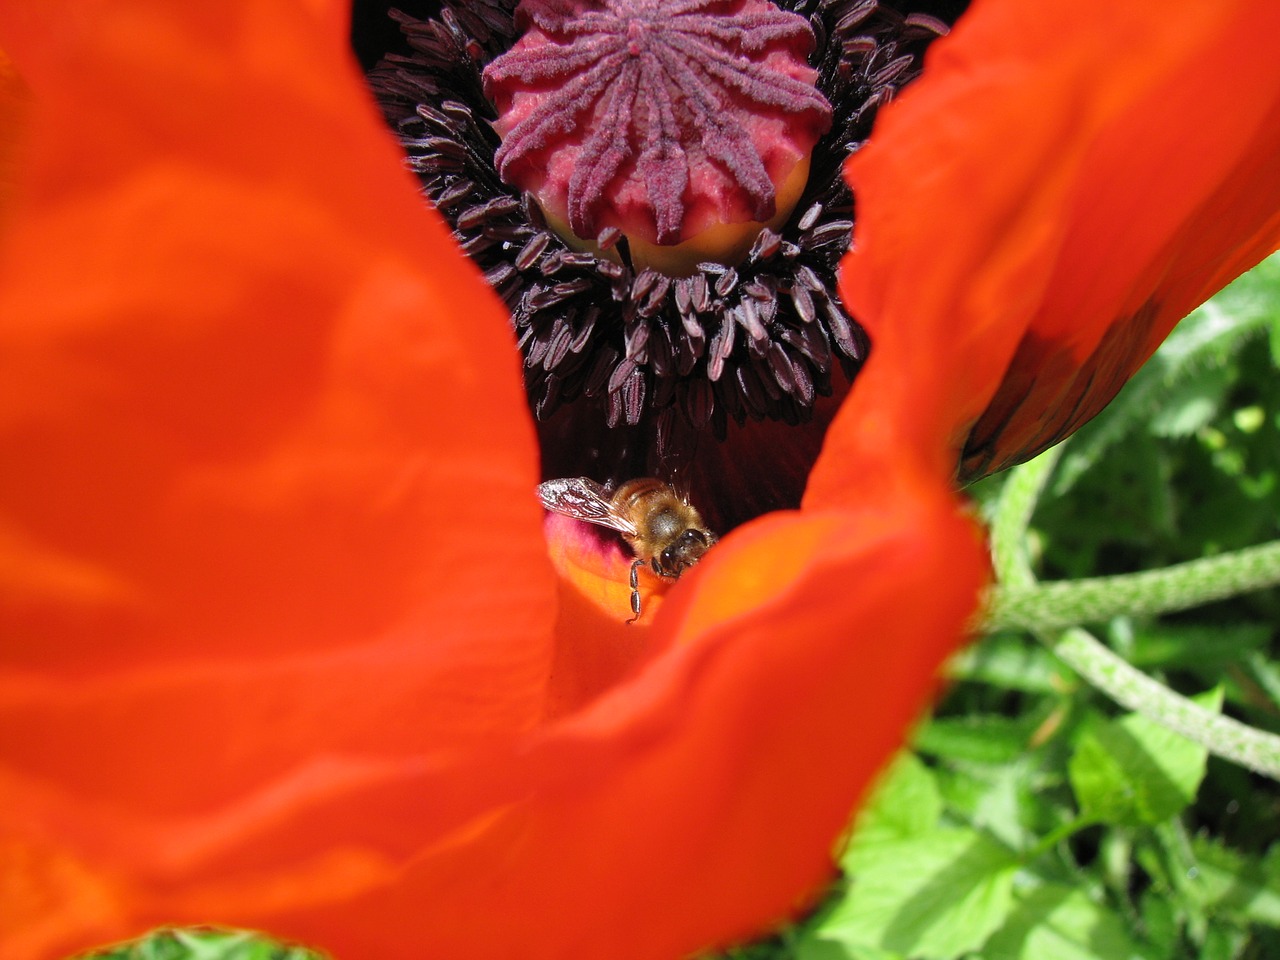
(686, 550)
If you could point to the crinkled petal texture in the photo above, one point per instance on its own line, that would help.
(281, 644)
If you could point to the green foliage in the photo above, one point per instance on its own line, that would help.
(1186, 461)
(920, 888)
(1034, 819)
(204, 944)
(1132, 772)
(1056, 922)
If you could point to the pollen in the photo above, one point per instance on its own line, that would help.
(665, 121)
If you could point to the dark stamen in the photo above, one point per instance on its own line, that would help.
(621, 361)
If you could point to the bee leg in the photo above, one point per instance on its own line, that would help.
(635, 590)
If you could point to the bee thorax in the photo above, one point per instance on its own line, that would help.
(666, 525)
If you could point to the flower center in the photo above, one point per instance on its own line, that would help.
(716, 375)
(673, 123)
(635, 37)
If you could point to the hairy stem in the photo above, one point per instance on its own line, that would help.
(1017, 503)
(1130, 687)
(1052, 606)
(1018, 601)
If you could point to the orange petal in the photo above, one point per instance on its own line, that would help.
(1163, 216)
(1078, 190)
(14, 106)
(702, 801)
(1054, 201)
(696, 803)
(266, 446)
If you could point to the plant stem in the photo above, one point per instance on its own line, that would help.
(1055, 837)
(1052, 606)
(1018, 601)
(1017, 503)
(1130, 687)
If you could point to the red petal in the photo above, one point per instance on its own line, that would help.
(1178, 193)
(700, 801)
(692, 805)
(14, 107)
(1083, 188)
(256, 469)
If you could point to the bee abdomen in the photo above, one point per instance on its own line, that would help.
(631, 496)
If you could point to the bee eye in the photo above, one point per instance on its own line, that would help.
(688, 547)
(692, 538)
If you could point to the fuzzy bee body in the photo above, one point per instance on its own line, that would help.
(659, 525)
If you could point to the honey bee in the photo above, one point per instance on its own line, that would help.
(662, 528)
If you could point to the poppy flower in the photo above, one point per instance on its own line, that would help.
(282, 643)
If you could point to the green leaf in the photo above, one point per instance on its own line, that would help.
(904, 803)
(1000, 808)
(1011, 662)
(1053, 922)
(1132, 771)
(819, 948)
(1230, 882)
(1257, 293)
(1265, 674)
(202, 944)
(936, 895)
(1195, 645)
(984, 738)
(1004, 801)
(1222, 943)
(1194, 404)
(1160, 921)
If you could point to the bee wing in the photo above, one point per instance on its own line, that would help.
(583, 499)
